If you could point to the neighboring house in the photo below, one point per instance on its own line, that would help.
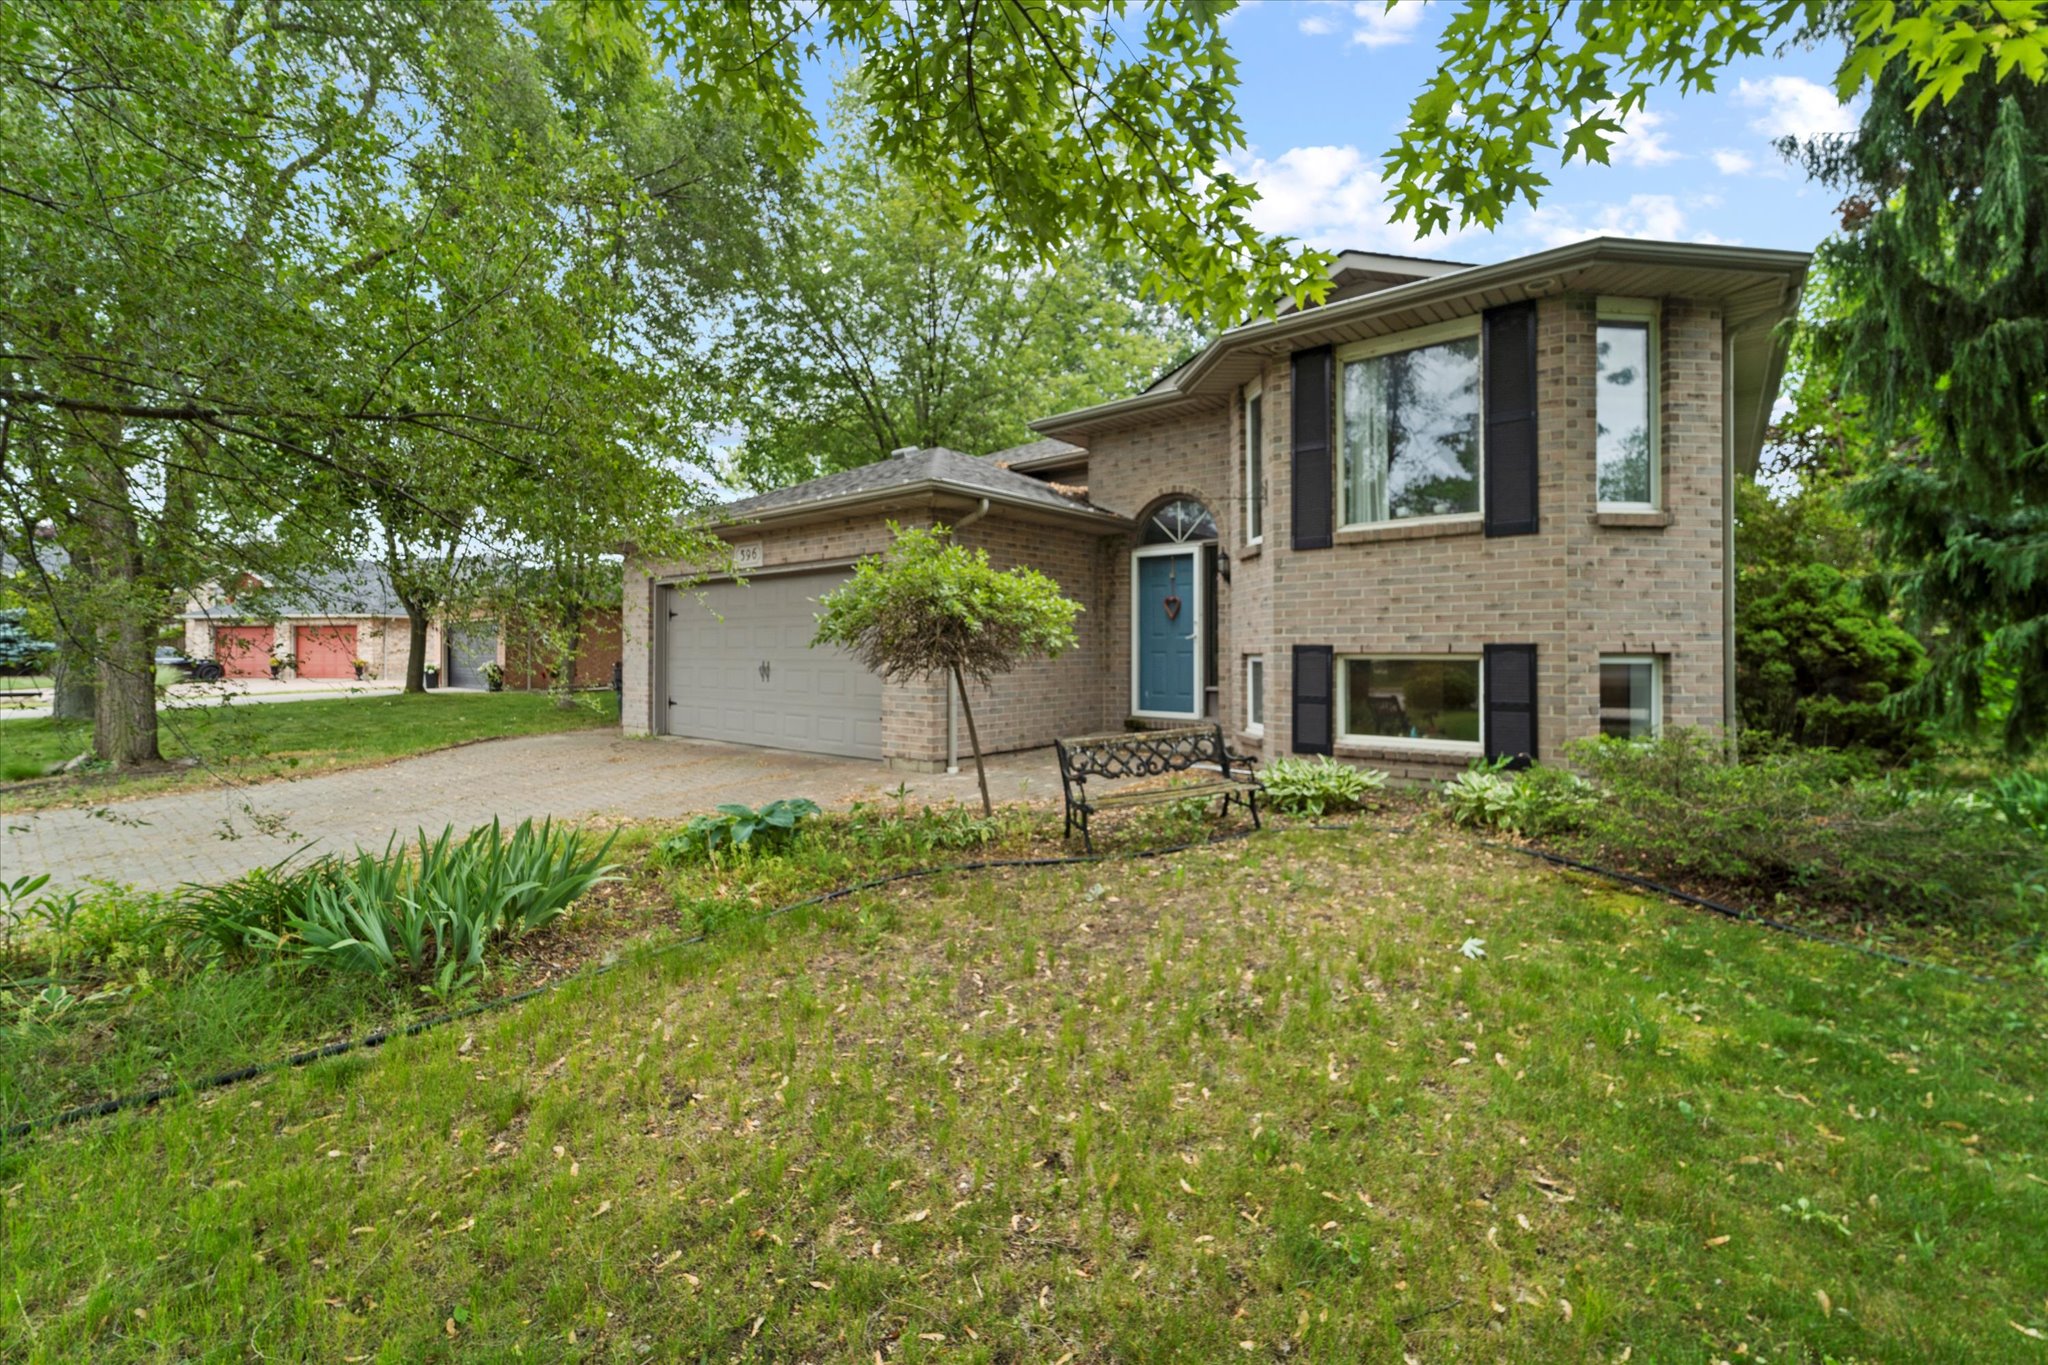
(332, 619)
(1453, 512)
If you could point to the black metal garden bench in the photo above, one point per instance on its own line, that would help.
(1153, 753)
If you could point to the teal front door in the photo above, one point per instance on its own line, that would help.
(1169, 612)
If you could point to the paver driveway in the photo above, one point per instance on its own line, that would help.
(218, 833)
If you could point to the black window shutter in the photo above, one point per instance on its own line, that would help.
(1511, 420)
(1314, 698)
(1511, 703)
(1313, 479)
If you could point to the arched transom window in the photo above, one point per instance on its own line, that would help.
(1181, 521)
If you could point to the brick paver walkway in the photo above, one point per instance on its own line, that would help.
(216, 833)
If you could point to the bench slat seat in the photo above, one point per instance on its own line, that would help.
(1195, 749)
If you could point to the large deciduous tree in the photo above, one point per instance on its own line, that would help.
(1514, 76)
(874, 322)
(279, 274)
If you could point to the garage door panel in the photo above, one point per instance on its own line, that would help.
(718, 638)
(244, 651)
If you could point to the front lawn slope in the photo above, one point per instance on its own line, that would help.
(1246, 1103)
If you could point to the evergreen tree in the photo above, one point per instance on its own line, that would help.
(1942, 337)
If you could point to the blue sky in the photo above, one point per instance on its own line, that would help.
(1326, 86)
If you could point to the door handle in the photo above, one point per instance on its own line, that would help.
(764, 670)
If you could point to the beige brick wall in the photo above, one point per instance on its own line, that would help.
(1579, 588)
(1584, 586)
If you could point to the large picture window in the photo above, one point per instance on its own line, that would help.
(1432, 702)
(1254, 466)
(1409, 429)
(1625, 410)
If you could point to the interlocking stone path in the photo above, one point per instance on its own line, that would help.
(219, 832)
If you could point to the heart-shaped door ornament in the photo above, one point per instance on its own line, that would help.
(1172, 605)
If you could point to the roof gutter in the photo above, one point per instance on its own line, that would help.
(981, 496)
(1573, 256)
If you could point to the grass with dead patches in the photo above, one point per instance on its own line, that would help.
(1313, 1096)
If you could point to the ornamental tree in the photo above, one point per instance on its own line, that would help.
(929, 605)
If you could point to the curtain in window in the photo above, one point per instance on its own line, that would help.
(1368, 433)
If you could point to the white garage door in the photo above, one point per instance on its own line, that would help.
(740, 668)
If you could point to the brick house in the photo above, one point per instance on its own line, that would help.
(327, 621)
(1452, 512)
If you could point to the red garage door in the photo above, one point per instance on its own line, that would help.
(327, 651)
(243, 651)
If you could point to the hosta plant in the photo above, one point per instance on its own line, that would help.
(1318, 786)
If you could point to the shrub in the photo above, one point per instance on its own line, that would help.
(1318, 786)
(738, 828)
(1816, 664)
(1797, 822)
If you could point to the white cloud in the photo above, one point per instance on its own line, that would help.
(1641, 144)
(1794, 107)
(1379, 26)
(1728, 161)
(1317, 24)
(1657, 216)
(1329, 197)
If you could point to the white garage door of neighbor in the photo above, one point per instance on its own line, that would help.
(740, 668)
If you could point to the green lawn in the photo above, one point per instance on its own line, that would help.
(246, 741)
(1245, 1103)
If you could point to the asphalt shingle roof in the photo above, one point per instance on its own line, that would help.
(912, 469)
(356, 590)
(1045, 447)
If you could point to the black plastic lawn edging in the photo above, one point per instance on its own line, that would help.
(1731, 912)
(148, 1099)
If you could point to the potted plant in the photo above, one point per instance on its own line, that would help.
(362, 666)
(280, 664)
(433, 672)
(494, 677)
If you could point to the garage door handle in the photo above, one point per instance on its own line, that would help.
(764, 670)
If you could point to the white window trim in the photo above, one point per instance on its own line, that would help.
(1656, 664)
(1254, 725)
(1441, 746)
(1413, 339)
(1611, 308)
(1254, 490)
(1193, 550)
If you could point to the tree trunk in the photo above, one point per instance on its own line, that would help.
(416, 654)
(565, 665)
(73, 696)
(124, 718)
(974, 742)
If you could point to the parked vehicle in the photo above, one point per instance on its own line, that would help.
(198, 670)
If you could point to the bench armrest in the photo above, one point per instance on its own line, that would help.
(1248, 762)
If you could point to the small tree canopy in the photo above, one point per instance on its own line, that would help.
(930, 605)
